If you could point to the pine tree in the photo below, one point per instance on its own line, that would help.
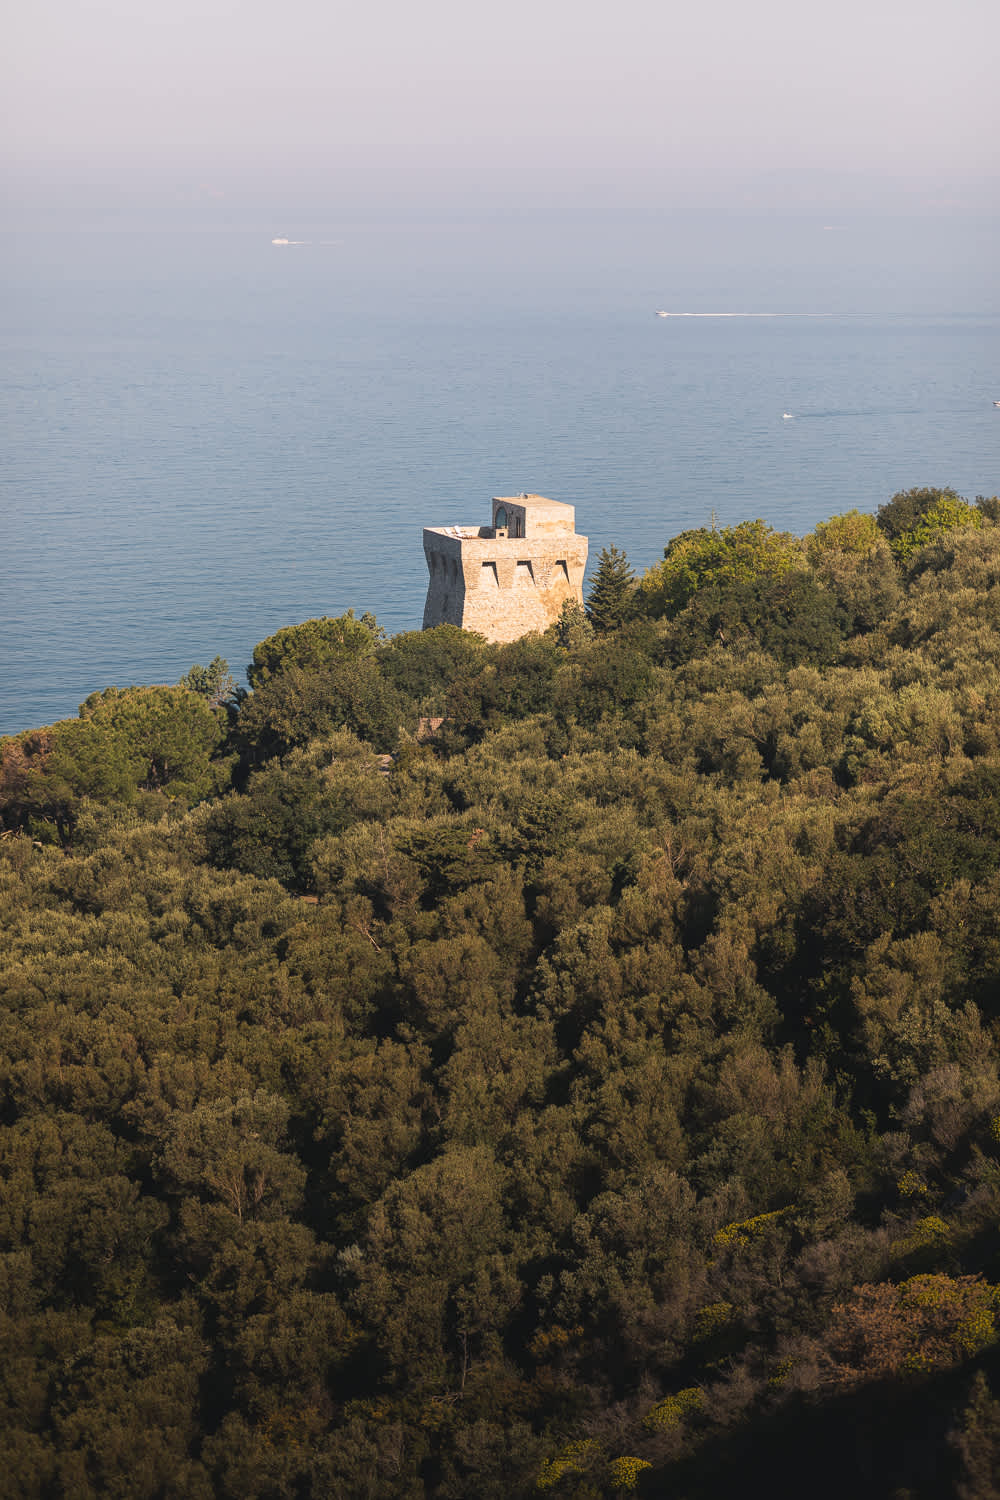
(610, 601)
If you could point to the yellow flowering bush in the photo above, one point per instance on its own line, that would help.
(575, 1458)
(712, 1319)
(929, 1233)
(910, 1184)
(624, 1472)
(671, 1411)
(738, 1236)
(926, 1291)
(917, 1362)
(978, 1330)
(930, 1229)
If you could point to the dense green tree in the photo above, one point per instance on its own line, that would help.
(516, 680)
(46, 776)
(297, 705)
(421, 664)
(433, 1280)
(312, 646)
(949, 513)
(169, 735)
(907, 509)
(715, 557)
(125, 1416)
(914, 518)
(610, 679)
(271, 828)
(790, 617)
(610, 600)
(865, 584)
(152, 739)
(853, 532)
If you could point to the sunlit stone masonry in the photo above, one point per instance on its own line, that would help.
(507, 578)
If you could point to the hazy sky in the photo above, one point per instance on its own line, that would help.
(899, 86)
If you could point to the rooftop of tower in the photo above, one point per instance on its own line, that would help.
(515, 517)
(538, 512)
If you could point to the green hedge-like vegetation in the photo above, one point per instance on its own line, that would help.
(567, 1068)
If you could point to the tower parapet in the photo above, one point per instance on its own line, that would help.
(508, 578)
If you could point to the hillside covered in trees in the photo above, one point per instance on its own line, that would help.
(566, 1068)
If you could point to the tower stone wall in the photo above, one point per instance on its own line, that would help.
(508, 578)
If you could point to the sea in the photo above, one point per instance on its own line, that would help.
(209, 436)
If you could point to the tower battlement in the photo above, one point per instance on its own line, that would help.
(508, 578)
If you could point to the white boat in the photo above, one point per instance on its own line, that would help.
(788, 416)
(661, 314)
(996, 403)
(281, 240)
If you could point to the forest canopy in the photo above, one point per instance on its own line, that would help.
(559, 1068)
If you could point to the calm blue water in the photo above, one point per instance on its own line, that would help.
(209, 438)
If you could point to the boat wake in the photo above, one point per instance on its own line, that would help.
(661, 314)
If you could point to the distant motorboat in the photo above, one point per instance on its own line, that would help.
(281, 240)
(996, 403)
(787, 416)
(661, 314)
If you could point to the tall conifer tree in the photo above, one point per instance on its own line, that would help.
(610, 601)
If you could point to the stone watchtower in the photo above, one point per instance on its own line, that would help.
(508, 578)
